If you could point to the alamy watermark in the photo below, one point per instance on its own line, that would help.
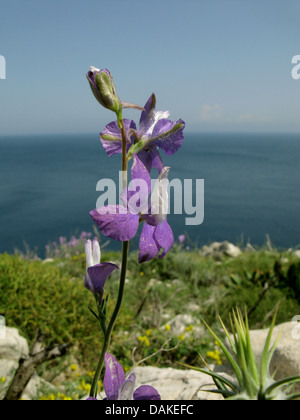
(2, 328)
(296, 68)
(186, 197)
(2, 67)
(296, 329)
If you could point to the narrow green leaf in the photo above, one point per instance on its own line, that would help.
(225, 394)
(231, 343)
(250, 353)
(96, 316)
(293, 397)
(220, 385)
(287, 381)
(264, 368)
(214, 376)
(229, 357)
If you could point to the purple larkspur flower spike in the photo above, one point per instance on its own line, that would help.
(97, 273)
(121, 223)
(118, 387)
(155, 131)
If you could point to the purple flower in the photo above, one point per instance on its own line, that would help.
(62, 240)
(181, 239)
(155, 131)
(118, 387)
(73, 242)
(97, 273)
(85, 235)
(121, 223)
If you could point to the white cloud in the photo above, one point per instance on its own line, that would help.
(211, 113)
(217, 114)
(245, 117)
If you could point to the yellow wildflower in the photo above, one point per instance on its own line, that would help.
(84, 387)
(3, 380)
(145, 340)
(215, 355)
(168, 327)
(190, 328)
(74, 368)
(50, 397)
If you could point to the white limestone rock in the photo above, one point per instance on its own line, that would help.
(177, 385)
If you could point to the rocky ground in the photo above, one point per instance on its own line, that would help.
(164, 301)
(172, 384)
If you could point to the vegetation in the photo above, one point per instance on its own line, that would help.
(50, 297)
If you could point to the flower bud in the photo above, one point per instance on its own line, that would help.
(92, 253)
(103, 88)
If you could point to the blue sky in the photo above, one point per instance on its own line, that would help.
(221, 65)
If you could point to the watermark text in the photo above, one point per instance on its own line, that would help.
(2, 67)
(296, 68)
(183, 197)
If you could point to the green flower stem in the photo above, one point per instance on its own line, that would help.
(107, 337)
(125, 249)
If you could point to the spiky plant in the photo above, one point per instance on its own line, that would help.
(253, 379)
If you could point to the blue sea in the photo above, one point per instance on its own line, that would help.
(48, 187)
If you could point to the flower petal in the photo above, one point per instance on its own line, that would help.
(116, 222)
(111, 137)
(151, 158)
(159, 206)
(168, 135)
(148, 116)
(148, 245)
(89, 254)
(92, 253)
(135, 198)
(126, 390)
(139, 171)
(96, 251)
(146, 392)
(97, 276)
(114, 377)
(164, 237)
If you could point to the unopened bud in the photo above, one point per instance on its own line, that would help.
(103, 88)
